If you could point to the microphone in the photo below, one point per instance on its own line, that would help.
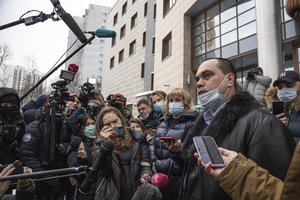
(69, 21)
(103, 33)
(160, 180)
(98, 163)
(69, 170)
(74, 145)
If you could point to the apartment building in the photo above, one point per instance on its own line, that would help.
(184, 33)
(90, 59)
(129, 58)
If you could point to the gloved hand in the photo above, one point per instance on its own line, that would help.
(61, 148)
(84, 100)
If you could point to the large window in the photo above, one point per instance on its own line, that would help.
(123, 31)
(113, 41)
(153, 45)
(167, 46)
(143, 70)
(168, 4)
(124, 8)
(154, 11)
(115, 21)
(134, 20)
(223, 30)
(112, 62)
(144, 39)
(121, 55)
(145, 9)
(132, 47)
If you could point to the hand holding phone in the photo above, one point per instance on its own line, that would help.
(166, 139)
(208, 150)
(277, 107)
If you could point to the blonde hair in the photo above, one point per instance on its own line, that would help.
(125, 141)
(187, 100)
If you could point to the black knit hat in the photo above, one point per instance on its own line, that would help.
(10, 98)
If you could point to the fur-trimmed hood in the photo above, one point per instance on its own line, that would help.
(238, 106)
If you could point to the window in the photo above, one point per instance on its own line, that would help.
(144, 39)
(121, 56)
(113, 41)
(122, 31)
(145, 9)
(167, 46)
(115, 21)
(132, 47)
(112, 62)
(153, 45)
(124, 8)
(133, 1)
(143, 70)
(154, 12)
(134, 20)
(168, 4)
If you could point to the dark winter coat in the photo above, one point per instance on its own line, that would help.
(243, 127)
(171, 127)
(107, 186)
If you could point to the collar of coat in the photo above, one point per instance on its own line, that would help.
(222, 124)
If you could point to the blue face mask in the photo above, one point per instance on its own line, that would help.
(212, 99)
(159, 106)
(89, 130)
(176, 109)
(287, 94)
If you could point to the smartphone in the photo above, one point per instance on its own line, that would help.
(208, 150)
(18, 168)
(166, 139)
(277, 107)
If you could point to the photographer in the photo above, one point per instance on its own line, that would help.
(11, 132)
(257, 84)
(44, 144)
(91, 102)
(118, 101)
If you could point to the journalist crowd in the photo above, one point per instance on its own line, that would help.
(83, 146)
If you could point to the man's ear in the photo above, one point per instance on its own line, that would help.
(231, 79)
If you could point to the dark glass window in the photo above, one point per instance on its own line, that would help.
(230, 50)
(248, 44)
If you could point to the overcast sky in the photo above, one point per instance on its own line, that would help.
(46, 41)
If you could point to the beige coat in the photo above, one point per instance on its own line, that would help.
(243, 179)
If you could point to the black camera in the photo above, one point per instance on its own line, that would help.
(87, 89)
(251, 74)
(11, 132)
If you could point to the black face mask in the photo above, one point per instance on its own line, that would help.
(10, 113)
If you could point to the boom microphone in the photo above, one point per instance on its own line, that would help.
(69, 170)
(74, 145)
(69, 21)
(98, 163)
(103, 33)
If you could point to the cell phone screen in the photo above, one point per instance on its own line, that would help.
(208, 150)
(277, 107)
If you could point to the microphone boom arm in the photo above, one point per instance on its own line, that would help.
(58, 66)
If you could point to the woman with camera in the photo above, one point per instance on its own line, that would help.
(128, 165)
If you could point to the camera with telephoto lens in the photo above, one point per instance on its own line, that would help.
(10, 133)
(87, 91)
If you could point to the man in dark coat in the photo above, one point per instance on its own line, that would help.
(11, 131)
(236, 121)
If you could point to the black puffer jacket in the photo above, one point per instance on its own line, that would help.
(243, 127)
(170, 127)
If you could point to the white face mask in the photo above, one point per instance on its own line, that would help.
(212, 99)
